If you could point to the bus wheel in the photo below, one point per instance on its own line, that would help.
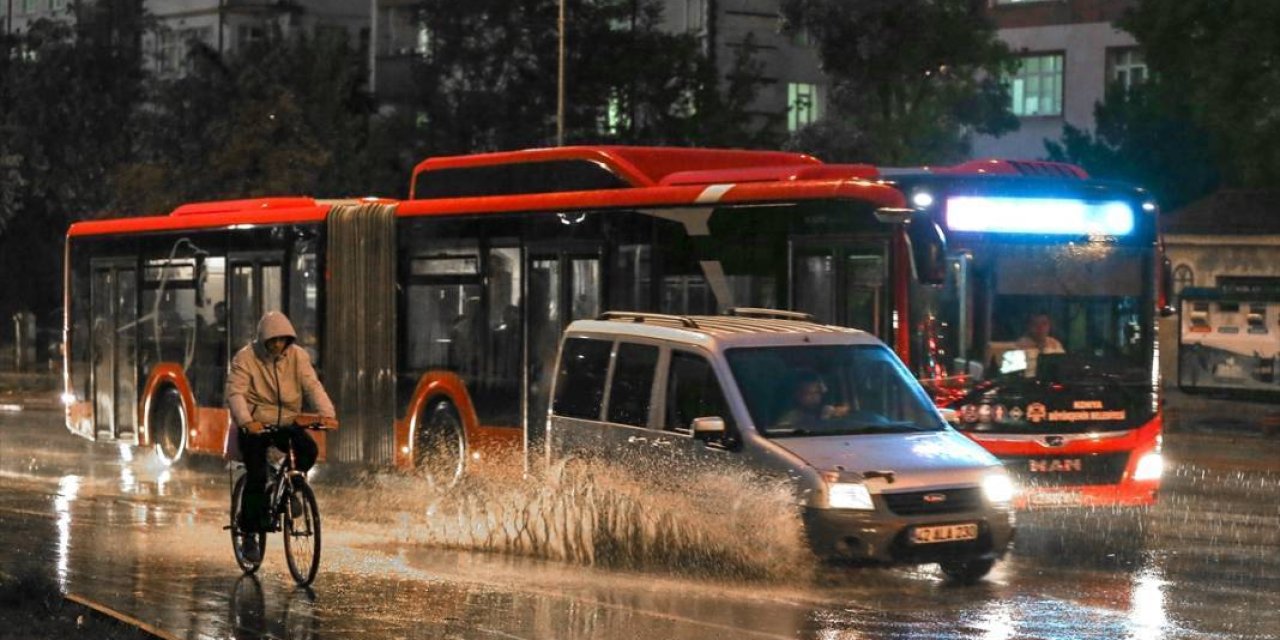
(439, 448)
(168, 426)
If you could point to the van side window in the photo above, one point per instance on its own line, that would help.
(584, 365)
(632, 384)
(693, 392)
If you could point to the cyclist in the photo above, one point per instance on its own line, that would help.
(268, 380)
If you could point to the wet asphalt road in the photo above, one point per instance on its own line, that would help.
(149, 542)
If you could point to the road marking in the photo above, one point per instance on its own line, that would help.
(125, 618)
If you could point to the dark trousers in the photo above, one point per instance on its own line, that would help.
(253, 506)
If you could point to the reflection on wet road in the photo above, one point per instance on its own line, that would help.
(148, 541)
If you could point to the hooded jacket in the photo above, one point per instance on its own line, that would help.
(270, 389)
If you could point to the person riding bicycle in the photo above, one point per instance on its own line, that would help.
(268, 380)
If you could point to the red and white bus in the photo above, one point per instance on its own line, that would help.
(434, 320)
(1076, 419)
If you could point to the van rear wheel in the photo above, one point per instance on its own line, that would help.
(439, 450)
(967, 571)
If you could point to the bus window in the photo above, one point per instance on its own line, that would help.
(169, 312)
(126, 397)
(244, 306)
(211, 333)
(630, 278)
(304, 300)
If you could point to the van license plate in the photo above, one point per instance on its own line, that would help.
(945, 533)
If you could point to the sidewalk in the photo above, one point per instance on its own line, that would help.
(34, 391)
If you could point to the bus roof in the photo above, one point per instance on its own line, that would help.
(664, 177)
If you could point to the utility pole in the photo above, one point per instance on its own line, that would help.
(560, 83)
(373, 47)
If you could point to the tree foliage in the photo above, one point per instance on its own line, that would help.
(1222, 60)
(287, 116)
(66, 88)
(489, 79)
(911, 80)
(1144, 135)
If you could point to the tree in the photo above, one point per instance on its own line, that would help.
(488, 80)
(288, 116)
(911, 80)
(66, 87)
(1144, 135)
(1223, 59)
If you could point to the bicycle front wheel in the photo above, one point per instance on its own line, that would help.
(302, 533)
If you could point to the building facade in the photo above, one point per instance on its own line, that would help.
(1070, 52)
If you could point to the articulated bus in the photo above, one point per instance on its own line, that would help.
(435, 320)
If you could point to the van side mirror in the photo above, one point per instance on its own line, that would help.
(708, 428)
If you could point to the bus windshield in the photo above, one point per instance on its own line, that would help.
(1025, 337)
(830, 390)
(1066, 312)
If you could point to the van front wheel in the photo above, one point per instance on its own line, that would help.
(439, 450)
(967, 571)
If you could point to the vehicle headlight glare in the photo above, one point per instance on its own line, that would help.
(846, 495)
(1150, 467)
(998, 488)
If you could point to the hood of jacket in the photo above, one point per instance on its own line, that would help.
(274, 325)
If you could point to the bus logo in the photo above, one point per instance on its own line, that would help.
(935, 498)
(1036, 412)
(1057, 465)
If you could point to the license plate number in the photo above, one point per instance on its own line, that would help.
(944, 533)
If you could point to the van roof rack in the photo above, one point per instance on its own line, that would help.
(641, 316)
(779, 314)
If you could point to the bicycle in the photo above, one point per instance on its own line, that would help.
(292, 509)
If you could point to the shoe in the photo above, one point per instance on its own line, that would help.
(249, 549)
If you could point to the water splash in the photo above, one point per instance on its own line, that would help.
(697, 521)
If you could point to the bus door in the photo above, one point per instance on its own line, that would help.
(255, 285)
(564, 285)
(113, 349)
(844, 283)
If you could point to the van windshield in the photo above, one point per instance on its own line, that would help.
(830, 390)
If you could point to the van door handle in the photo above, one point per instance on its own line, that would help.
(636, 439)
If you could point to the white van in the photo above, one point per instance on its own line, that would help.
(880, 475)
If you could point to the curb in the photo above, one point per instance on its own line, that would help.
(122, 618)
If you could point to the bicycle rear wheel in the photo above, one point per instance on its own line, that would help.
(302, 533)
(238, 537)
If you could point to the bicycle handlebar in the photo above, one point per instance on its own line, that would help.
(311, 422)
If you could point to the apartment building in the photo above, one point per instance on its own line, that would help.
(1070, 52)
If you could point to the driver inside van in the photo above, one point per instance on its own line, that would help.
(807, 406)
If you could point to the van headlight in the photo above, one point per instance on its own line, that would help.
(849, 495)
(998, 488)
(1150, 467)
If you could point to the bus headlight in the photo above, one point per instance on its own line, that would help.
(998, 488)
(1150, 467)
(848, 495)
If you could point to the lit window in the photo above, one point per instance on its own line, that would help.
(803, 107)
(424, 41)
(30, 6)
(1126, 67)
(616, 119)
(1036, 89)
(58, 5)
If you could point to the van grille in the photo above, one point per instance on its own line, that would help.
(941, 501)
